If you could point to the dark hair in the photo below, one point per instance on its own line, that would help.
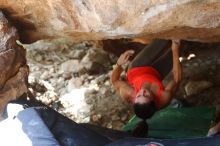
(143, 111)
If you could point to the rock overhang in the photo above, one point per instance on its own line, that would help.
(98, 20)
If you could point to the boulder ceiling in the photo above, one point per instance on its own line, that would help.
(101, 19)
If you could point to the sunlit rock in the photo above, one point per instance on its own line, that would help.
(100, 19)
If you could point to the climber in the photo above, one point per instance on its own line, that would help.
(144, 88)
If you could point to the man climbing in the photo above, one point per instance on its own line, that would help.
(144, 88)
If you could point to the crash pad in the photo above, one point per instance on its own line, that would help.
(177, 122)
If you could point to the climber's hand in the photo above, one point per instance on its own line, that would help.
(175, 44)
(123, 59)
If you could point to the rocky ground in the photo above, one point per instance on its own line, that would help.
(74, 80)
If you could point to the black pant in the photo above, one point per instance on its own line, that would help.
(158, 54)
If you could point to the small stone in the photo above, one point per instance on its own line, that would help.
(86, 120)
(38, 58)
(78, 82)
(77, 54)
(91, 77)
(56, 105)
(45, 75)
(70, 66)
(124, 118)
(100, 79)
(118, 125)
(89, 100)
(115, 117)
(51, 71)
(67, 75)
(107, 83)
(60, 80)
(103, 91)
(109, 125)
(71, 85)
(96, 118)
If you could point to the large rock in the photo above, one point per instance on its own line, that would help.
(196, 87)
(13, 69)
(12, 56)
(100, 19)
(95, 61)
(14, 88)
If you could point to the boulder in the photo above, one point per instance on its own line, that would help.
(15, 87)
(95, 61)
(195, 87)
(13, 68)
(99, 19)
(12, 56)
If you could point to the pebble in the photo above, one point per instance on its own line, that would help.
(86, 120)
(67, 75)
(100, 79)
(115, 117)
(96, 118)
(124, 118)
(38, 58)
(109, 125)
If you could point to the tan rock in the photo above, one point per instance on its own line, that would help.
(13, 69)
(100, 19)
(12, 56)
(14, 87)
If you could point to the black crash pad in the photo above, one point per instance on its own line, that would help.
(206, 141)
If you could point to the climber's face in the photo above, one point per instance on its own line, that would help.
(144, 96)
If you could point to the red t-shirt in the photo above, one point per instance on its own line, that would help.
(138, 75)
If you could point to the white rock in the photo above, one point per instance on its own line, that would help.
(70, 66)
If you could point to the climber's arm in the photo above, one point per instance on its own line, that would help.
(125, 91)
(171, 87)
(168, 93)
(177, 69)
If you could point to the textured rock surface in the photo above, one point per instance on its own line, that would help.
(195, 87)
(13, 69)
(99, 19)
(14, 88)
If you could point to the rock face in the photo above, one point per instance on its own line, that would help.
(195, 87)
(99, 19)
(13, 69)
